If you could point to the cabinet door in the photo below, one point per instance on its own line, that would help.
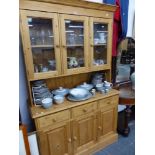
(84, 133)
(41, 44)
(101, 42)
(56, 141)
(74, 31)
(107, 121)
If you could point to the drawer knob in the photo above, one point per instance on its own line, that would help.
(74, 138)
(108, 102)
(58, 146)
(99, 127)
(84, 110)
(54, 120)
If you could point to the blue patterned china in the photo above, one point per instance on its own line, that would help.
(71, 98)
(86, 86)
(61, 91)
(79, 93)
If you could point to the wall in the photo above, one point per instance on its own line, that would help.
(23, 93)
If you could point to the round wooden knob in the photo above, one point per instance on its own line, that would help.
(84, 110)
(69, 140)
(58, 146)
(99, 128)
(75, 138)
(54, 120)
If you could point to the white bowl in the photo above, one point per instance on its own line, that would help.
(47, 102)
(99, 86)
(79, 93)
(58, 99)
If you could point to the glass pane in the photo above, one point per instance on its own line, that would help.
(75, 43)
(100, 33)
(75, 57)
(42, 40)
(100, 55)
(41, 31)
(100, 44)
(43, 59)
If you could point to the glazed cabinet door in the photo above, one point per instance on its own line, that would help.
(74, 34)
(107, 122)
(100, 43)
(84, 133)
(40, 36)
(56, 141)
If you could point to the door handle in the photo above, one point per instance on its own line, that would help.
(100, 128)
(69, 140)
(74, 138)
(57, 46)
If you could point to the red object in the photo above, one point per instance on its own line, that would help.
(116, 28)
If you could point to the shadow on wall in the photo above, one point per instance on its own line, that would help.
(23, 93)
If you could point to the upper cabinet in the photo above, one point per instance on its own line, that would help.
(100, 35)
(41, 44)
(64, 42)
(75, 38)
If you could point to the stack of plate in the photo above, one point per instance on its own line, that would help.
(40, 91)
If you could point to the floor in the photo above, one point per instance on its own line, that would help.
(124, 145)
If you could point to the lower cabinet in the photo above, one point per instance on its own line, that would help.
(56, 141)
(84, 133)
(107, 117)
(82, 129)
(106, 123)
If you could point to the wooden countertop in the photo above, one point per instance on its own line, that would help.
(38, 111)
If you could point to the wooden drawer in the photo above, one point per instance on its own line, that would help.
(84, 109)
(53, 119)
(108, 102)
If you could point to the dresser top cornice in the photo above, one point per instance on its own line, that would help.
(76, 3)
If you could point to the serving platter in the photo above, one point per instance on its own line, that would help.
(71, 98)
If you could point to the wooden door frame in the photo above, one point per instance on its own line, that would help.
(74, 128)
(109, 43)
(64, 46)
(27, 44)
(100, 122)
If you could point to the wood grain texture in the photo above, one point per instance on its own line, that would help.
(90, 124)
(79, 3)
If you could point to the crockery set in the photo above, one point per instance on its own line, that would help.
(43, 96)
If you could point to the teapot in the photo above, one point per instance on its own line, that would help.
(108, 85)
